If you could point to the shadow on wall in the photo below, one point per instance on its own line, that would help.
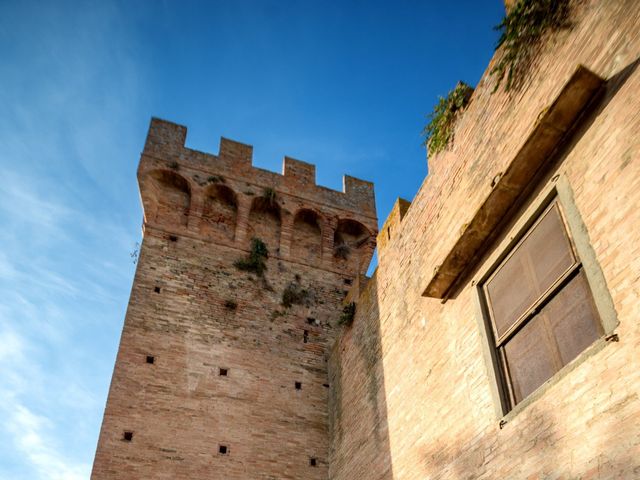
(357, 404)
(170, 196)
(585, 430)
(220, 212)
(349, 240)
(544, 443)
(306, 241)
(265, 221)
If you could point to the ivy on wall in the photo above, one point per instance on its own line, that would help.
(521, 29)
(348, 314)
(255, 262)
(438, 133)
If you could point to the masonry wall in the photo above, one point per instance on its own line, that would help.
(415, 398)
(195, 313)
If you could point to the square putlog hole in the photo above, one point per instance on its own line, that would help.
(298, 385)
(156, 289)
(127, 436)
(151, 359)
(223, 449)
(313, 462)
(223, 372)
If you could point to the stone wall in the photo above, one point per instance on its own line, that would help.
(415, 397)
(238, 384)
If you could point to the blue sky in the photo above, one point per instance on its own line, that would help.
(342, 84)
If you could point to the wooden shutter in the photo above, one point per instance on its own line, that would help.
(530, 359)
(572, 318)
(542, 257)
(541, 307)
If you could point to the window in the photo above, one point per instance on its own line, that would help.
(539, 306)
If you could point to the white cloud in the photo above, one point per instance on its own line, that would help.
(29, 433)
(69, 97)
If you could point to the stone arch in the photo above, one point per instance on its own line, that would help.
(349, 240)
(265, 221)
(167, 198)
(219, 212)
(306, 238)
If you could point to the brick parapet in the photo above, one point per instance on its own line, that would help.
(166, 142)
(294, 192)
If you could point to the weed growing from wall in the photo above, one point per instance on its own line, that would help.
(256, 261)
(342, 251)
(348, 314)
(521, 30)
(230, 304)
(294, 294)
(269, 194)
(438, 133)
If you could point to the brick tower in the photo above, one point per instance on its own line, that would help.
(222, 367)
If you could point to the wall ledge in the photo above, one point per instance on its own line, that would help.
(549, 129)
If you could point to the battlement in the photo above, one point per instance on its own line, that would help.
(166, 141)
(225, 198)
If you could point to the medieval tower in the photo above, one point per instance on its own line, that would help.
(222, 367)
(498, 337)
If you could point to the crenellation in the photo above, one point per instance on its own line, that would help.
(166, 139)
(298, 174)
(392, 225)
(165, 148)
(238, 153)
(225, 199)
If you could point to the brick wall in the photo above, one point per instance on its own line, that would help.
(413, 397)
(195, 313)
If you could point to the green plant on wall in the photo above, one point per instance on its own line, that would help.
(269, 195)
(521, 30)
(438, 133)
(348, 314)
(294, 294)
(255, 262)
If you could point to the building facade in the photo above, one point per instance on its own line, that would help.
(222, 365)
(543, 180)
(497, 339)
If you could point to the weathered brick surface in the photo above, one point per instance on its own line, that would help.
(410, 393)
(413, 397)
(200, 213)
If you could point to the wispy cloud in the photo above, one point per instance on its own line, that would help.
(70, 93)
(31, 438)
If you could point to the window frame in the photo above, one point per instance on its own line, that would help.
(557, 191)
